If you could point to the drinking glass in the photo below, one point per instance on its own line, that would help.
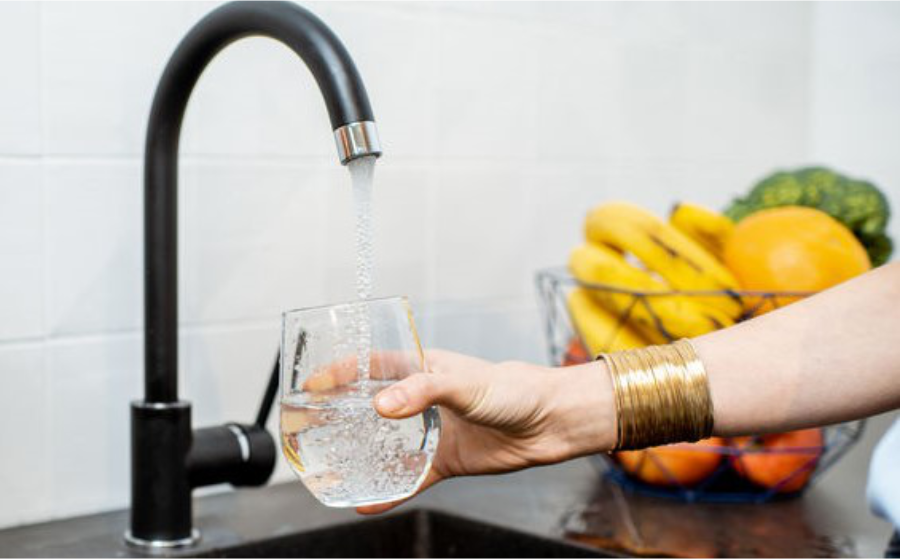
(334, 360)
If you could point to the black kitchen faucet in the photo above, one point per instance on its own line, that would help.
(168, 458)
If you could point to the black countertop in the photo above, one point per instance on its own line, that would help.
(570, 501)
(532, 501)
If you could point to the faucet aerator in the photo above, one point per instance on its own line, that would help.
(357, 139)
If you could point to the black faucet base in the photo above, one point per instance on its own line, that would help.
(171, 460)
(160, 490)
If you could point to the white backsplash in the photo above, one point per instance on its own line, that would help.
(502, 124)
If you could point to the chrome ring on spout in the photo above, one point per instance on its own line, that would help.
(357, 139)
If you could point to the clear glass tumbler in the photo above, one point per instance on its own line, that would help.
(334, 360)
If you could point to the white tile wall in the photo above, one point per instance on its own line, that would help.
(494, 329)
(22, 234)
(497, 97)
(557, 200)
(91, 382)
(502, 124)
(20, 130)
(251, 239)
(25, 466)
(855, 120)
(488, 9)
(577, 109)
(256, 99)
(405, 232)
(226, 369)
(94, 249)
(480, 230)
(99, 67)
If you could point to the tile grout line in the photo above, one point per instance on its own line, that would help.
(49, 487)
(137, 332)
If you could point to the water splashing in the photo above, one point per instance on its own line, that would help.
(362, 171)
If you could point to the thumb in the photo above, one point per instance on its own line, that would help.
(415, 394)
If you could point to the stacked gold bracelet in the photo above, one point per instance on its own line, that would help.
(662, 395)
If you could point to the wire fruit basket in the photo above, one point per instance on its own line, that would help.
(742, 469)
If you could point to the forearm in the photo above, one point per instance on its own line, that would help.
(830, 358)
(583, 409)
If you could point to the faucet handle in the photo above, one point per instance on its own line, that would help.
(242, 455)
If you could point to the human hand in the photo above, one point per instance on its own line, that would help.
(503, 417)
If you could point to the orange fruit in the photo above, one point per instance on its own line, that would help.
(792, 249)
(575, 353)
(784, 461)
(673, 465)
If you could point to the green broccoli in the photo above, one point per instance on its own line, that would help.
(879, 247)
(857, 204)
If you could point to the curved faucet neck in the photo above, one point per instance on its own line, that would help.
(348, 107)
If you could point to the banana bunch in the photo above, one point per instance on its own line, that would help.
(641, 264)
(600, 329)
(708, 227)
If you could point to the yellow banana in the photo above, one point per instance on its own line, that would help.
(708, 227)
(599, 329)
(671, 254)
(658, 318)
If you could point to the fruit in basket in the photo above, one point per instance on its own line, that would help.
(669, 253)
(575, 354)
(658, 318)
(676, 465)
(600, 329)
(857, 204)
(793, 249)
(783, 461)
(707, 227)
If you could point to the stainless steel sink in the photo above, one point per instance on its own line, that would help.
(418, 533)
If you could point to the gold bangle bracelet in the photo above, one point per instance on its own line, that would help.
(661, 395)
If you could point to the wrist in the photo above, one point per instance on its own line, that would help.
(583, 408)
